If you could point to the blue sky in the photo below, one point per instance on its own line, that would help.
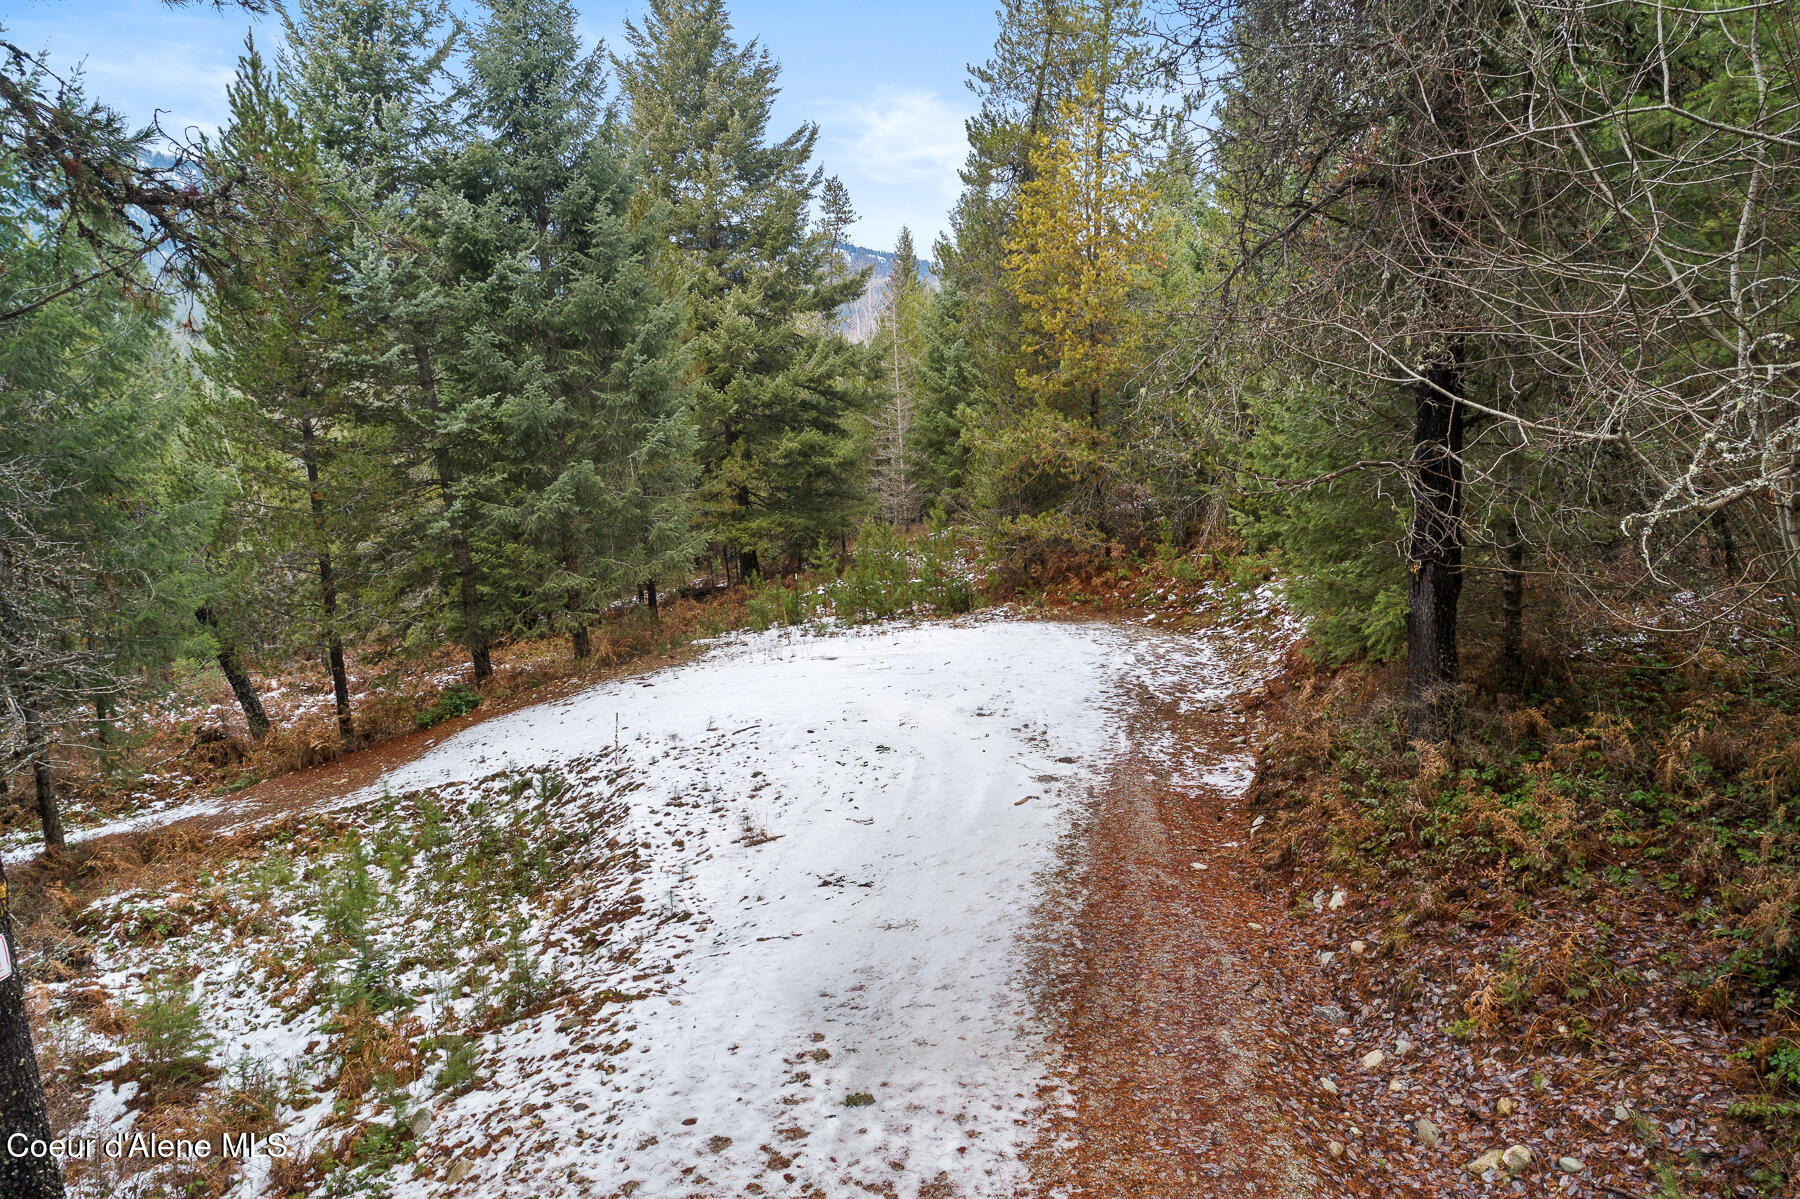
(884, 80)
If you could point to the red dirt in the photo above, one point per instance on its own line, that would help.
(1160, 985)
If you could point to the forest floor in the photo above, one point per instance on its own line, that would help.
(981, 907)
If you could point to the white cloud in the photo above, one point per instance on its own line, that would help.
(908, 138)
(899, 153)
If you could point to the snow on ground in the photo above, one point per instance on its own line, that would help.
(892, 794)
(789, 932)
(26, 843)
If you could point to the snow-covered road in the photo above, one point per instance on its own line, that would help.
(862, 824)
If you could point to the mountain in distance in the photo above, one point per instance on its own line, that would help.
(859, 318)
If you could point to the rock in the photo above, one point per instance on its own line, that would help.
(1336, 1148)
(1325, 956)
(1481, 1165)
(1503, 1106)
(1396, 1086)
(1318, 901)
(1621, 1113)
(1372, 1059)
(1339, 897)
(1331, 1013)
(1402, 1047)
(1516, 1158)
(1255, 927)
(1329, 1087)
(420, 1123)
(1570, 1165)
(1428, 1133)
(1198, 865)
(1359, 947)
(459, 1170)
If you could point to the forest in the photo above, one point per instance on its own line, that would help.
(471, 363)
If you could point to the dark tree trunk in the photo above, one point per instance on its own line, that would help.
(584, 645)
(103, 727)
(43, 777)
(340, 687)
(1512, 607)
(334, 650)
(1434, 549)
(1728, 555)
(22, 1113)
(473, 639)
(232, 667)
(471, 606)
(650, 594)
(747, 565)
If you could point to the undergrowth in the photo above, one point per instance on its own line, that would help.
(1629, 785)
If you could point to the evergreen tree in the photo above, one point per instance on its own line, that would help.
(91, 553)
(366, 76)
(577, 372)
(370, 79)
(274, 337)
(897, 347)
(951, 398)
(780, 462)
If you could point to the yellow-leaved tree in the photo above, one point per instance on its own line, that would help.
(1082, 261)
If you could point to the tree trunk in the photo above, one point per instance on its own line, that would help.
(1434, 549)
(584, 645)
(650, 594)
(1512, 607)
(473, 639)
(1728, 555)
(232, 667)
(22, 1114)
(103, 727)
(44, 778)
(340, 688)
(747, 565)
(471, 606)
(340, 679)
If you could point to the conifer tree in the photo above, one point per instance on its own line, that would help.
(951, 397)
(1079, 262)
(896, 349)
(370, 77)
(366, 77)
(780, 462)
(578, 374)
(91, 557)
(274, 334)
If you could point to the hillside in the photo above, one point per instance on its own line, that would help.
(858, 319)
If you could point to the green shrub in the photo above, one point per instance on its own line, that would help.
(168, 1041)
(457, 700)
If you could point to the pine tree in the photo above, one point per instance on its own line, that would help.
(579, 374)
(274, 333)
(90, 553)
(370, 78)
(365, 76)
(951, 397)
(780, 461)
(896, 350)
